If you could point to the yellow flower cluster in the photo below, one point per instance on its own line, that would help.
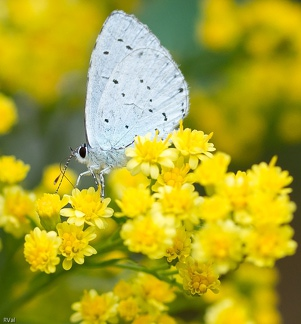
(244, 216)
(86, 213)
(17, 209)
(142, 299)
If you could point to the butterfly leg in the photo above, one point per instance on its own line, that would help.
(80, 175)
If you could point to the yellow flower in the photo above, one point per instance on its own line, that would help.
(212, 171)
(215, 208)
(173, 177)
(123, 289)
(182, 203)
(150, 234)
(12, 170)
(87, 207)
(75, 243)
(220, 243)
(8, 113)
(17, 208)
(153, 292)
(40, 250)
(121, 179)
(148, 154)
(128, 309)
(236, 310)
(48, 208)
(235, 187)
(197, 278)
(267, 243)
(94, 308)
(269, 178)
(263, 208)
(193, 144)
(134, 202)
(181, 246)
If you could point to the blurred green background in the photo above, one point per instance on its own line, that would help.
(241, 59)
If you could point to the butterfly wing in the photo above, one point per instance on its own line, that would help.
(121, 34)
(146, 91)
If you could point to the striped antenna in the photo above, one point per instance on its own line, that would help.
(63, 172)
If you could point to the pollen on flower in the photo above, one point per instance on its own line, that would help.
(40, 250)
(148, 154)
(87, 207)
(75, 243)
(193, 145)
(197, 278)
(12, 170)
(94, 308)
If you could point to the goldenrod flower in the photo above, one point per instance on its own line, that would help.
(182, 203)
(87, 207)
(263, 209)
(75, 243)
(150, 234)
(235, 188)
(154, 293)
(193, 145)
(269, 178)
(121, 179)
(128, 309)
(211, 171)
(94, 308)
(17, 209)
(229, 308)
(8, 113)
(48, 208)
(197, 278)
(215, 208)
(221, 242)
(267, 243)
(40, 250)
(123, 289)
(173, 177)
(148, 154)
(134, 202)
(12, 170)
(181, 246)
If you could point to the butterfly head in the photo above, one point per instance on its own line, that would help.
(81, 153)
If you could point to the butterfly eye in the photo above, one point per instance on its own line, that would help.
(82, 151)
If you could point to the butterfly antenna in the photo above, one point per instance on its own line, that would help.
(62, 174)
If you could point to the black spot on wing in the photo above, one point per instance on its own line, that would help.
(106, 120)
(105, 52)
(115, 81)
(165, 117)
(129, 47)
(123, 94)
